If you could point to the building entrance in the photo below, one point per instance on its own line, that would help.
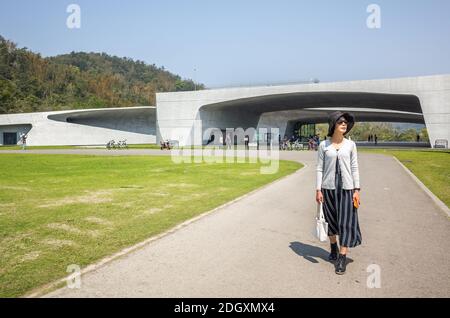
(9, 138)
(304, 131)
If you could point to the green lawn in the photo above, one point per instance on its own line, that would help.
(57, 210)
(431, 166)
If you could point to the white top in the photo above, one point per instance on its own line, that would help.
(348, 163)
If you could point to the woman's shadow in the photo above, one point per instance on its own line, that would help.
(312, 253)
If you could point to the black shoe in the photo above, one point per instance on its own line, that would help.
(334, 252)
(341, 264)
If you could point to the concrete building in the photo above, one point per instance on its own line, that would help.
(189, 117)
(81, 127)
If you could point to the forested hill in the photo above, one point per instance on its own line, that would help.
(30, 83)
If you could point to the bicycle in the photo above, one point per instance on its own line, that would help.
(297, 145)
(122, 144)
(111, 144)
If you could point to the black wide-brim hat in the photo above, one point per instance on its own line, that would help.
(334, 117)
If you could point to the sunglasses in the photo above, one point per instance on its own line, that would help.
(340, 122)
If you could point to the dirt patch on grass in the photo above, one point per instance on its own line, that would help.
(99, 221)
(181, 185)
(64, 227)
(125, 204)
(14, 240)
(192, 196)
(156, 210)
(31, 256)
(159, 194)
(7, 205)
(91, 197)
(58, 243)
(249, 173)
(157, 170)
(152, 211)
(71, 229)
(17, 188)
(94, 197)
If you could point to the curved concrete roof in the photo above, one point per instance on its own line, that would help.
(131, 119)
(110, 113)
(301, 100)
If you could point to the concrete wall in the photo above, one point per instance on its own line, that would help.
(178, 114)
(87, 127)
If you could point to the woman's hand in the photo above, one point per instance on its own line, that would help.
(319, 196)
(356, 196)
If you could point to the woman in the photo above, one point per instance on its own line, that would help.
(337, 187)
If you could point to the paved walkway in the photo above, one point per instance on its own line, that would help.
(261, 246)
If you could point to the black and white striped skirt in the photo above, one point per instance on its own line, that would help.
(342, 216)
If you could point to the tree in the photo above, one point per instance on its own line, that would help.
(30, 82)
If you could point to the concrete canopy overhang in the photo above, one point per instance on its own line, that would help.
(290, 101)
(132, 119)
(276, 110)
(283, 110)
(110, 113)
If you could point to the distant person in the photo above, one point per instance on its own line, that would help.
(228, 141)
(368, 138)
(285, 143)
(316, 142)
(418, 138)
(257, 140)
(23, 139)
(376, 140)
(246, 139)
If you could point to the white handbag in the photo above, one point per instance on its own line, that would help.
(321, 231)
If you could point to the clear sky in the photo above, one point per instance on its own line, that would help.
(245, 42)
